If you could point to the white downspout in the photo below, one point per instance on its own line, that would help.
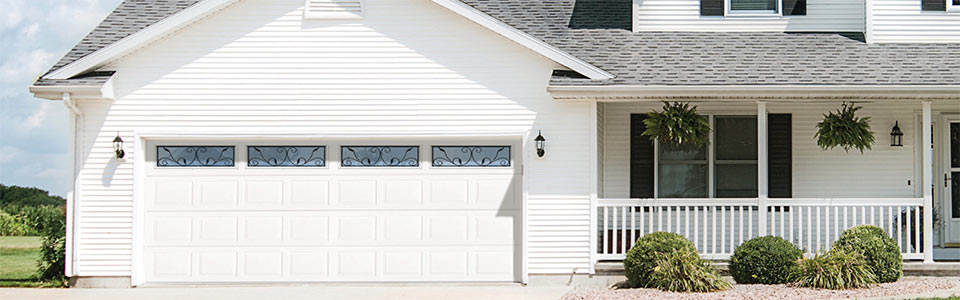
(76, 147)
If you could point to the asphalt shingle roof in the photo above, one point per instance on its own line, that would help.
(598, 32)
(128, 18)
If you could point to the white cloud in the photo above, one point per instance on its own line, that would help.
(28, 66)
(38, 116)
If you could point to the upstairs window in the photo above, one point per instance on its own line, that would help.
(753, 7)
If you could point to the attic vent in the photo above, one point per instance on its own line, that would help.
(333, 9)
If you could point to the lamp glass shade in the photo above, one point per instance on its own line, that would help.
(896, 135)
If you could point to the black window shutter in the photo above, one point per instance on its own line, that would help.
(641, 159)
(780, 156)
(934, 5)
(711, 7)
(794, 7)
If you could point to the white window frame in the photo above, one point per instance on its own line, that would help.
(711, 157)
(953, 8)
(753, 13)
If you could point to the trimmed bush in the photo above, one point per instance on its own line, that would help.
(682, 270)
(642, 258)
(765, 260)
(837, 270)
(879, 251)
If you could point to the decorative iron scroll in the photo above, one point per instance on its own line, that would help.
(195, 156)
(286, 156)
(380, 156)
(471, 156)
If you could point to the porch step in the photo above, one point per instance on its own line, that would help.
(909, 268)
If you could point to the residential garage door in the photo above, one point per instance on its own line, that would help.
(358, 210)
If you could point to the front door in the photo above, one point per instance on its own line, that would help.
(948, 178)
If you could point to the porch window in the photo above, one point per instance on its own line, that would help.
(727, 168)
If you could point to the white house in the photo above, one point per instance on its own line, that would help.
(395, 140)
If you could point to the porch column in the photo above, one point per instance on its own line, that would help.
(762, 187)
(927, 183)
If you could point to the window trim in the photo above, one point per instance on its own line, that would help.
(729, 12)
(711, 161)
(952, 8)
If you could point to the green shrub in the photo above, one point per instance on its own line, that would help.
(642, 258)
(682, 270)
(879, 251)
(765, 260)
(837, 270)
(51, 264)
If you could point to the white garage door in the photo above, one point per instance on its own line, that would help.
(362, 210)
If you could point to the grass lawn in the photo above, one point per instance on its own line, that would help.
(18, 262)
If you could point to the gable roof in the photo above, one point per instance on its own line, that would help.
(597, 33)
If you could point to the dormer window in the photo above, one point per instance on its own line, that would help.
(753, 7)
(333, 9)
(953, 6)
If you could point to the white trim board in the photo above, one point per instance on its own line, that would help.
(204, 8)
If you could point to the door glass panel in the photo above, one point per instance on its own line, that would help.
(955, 145)
(736, 181)
(955, 194)
(683, 181)
(736, 138)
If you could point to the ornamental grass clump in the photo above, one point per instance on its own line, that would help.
(844, 129)
(682, 270)
(837, 270)
(678, 124)
(879, 251)
(642, 257)
(765, 260)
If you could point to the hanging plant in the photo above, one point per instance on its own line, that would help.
(843, 128)
(679, 124)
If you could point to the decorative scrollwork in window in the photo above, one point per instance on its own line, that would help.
(380, 156)
(286, 156)
(471, 156)
(195, 156)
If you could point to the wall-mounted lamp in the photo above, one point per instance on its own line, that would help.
(540, 143)
(118, 146)
(896, 135)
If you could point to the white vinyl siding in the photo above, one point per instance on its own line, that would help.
(881, 172)
(899, 21)
(405, 69)
(684, 15)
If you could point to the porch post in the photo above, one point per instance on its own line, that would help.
(762, 188)
(927, 183)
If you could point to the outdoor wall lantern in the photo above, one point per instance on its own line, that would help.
(118, 146)
(896, 135)
(540, 142)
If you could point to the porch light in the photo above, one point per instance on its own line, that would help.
(118, 146)
(540, 142)
(896, 135)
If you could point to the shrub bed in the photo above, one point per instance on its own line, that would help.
(765, 260)
(879, 251)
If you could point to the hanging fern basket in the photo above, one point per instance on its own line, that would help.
(678, 124)
(844, 129)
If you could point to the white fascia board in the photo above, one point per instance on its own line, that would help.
(104, 92)
(772, 91)
(525, 40)
(139, 39)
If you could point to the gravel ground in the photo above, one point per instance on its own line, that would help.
(765, 292)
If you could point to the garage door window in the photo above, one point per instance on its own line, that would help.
(286, 156)
(380, 156)
(195, 156)
(471, 156)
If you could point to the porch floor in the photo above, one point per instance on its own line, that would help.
(946, 254)
(911, 268)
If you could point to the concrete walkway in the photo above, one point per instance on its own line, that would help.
(344, 292)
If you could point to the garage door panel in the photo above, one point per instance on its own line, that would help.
(229, 224)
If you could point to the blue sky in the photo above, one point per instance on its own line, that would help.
(34, 132)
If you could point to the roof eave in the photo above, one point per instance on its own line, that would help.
(655, 92)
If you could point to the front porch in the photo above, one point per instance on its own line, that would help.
(771, 178)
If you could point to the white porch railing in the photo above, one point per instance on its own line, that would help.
(718, 226)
